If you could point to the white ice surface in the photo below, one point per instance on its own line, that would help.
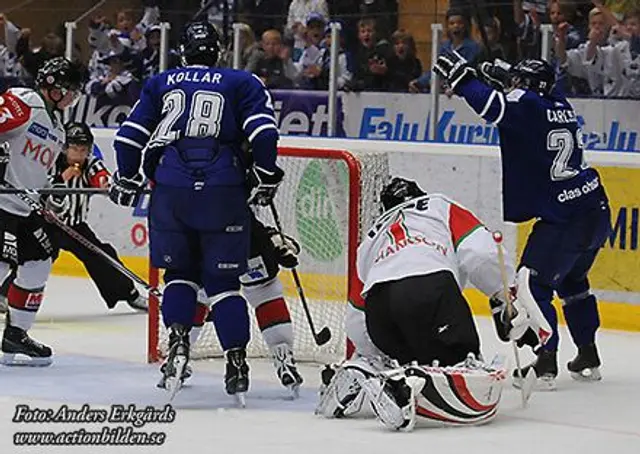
(100, 360)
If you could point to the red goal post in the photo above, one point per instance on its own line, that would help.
(327, 200)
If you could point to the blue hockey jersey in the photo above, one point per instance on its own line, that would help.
(190, 123)
(544, 174)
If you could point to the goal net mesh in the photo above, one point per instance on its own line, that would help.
(326, 201)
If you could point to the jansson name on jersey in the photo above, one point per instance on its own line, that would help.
(194, 76)
(417, 240)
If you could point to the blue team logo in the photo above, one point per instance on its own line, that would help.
(39, 131)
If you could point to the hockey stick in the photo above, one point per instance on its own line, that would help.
(61, 191)
(527, 383)
(49, 216)
(324, 335)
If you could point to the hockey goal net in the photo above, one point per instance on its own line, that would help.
(326, 201)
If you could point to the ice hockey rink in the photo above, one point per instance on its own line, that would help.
(100, 360)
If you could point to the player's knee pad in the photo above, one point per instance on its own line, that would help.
(33, 275)
(573, 290)
(261, 293)
(466, 394)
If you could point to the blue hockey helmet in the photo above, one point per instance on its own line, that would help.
(199, 44)
(535, 75)
(398, 191)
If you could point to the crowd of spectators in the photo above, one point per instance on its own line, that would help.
(595, 46)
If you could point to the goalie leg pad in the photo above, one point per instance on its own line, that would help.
(466, 394)
(530, 314)
(341, 393)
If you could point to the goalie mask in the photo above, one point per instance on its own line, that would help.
(398, 191)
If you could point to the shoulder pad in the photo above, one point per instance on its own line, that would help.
(28, 96)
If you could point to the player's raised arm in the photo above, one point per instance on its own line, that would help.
(486, 101)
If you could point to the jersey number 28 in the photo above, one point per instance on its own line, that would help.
(204, 118)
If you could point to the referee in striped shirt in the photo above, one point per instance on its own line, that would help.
(79, 168)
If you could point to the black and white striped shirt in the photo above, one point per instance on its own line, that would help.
(93, 171)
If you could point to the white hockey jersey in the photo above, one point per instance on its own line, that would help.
(429, 234)
(35, 138)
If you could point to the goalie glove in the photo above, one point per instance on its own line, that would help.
(126, 191)
(526, 325)
(286, 249)
(453, 67)
(263, 185)
(495, 74)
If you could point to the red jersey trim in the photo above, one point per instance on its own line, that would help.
(462, 223)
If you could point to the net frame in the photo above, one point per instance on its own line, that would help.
(355, 219)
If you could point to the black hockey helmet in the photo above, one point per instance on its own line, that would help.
(58, 72)
(398, 191)
(535, 75)
(199, 44)
(78, 134)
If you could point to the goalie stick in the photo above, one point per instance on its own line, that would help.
(324, 335)
(529, 381)
(49, 216)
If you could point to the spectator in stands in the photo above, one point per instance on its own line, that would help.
(118, 83)
(249, 49)
(562, 12)
(299, 11)
(596, 61)
(370, 62)
(527, 16)
(317, 75)
(150, 56)
(262, 15)
(458, 39)
(385, 12)
(496, 50)
(52, 46)
(274, 67)
(309, 66)
(404, 66)
(10, 68)
(126, 32)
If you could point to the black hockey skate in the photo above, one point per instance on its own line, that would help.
(586, 365)
(236, 377)
(16, 344)
(546, 369)
(173, 369)
(138, 302)
(286, 369)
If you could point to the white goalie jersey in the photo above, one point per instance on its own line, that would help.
(429, 234)
(35, 138)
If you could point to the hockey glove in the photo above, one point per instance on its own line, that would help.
(286, 249)
(57, 203)
(126, 192)
(495, 74)
(453, 67)
(263, 185)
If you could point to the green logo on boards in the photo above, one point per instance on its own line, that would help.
(320, 192)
